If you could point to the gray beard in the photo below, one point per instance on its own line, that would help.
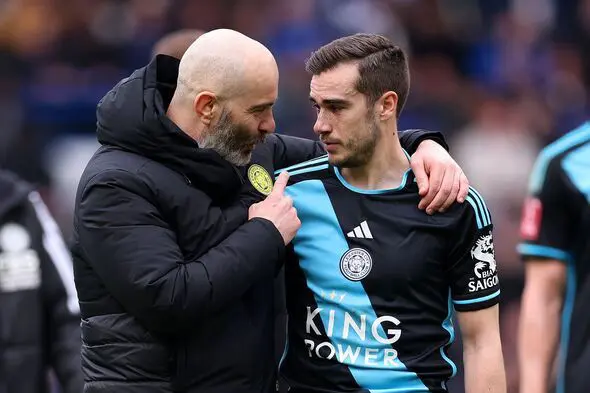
(229, 140)
(218, 143)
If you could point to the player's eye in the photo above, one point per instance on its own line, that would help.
(316, 107)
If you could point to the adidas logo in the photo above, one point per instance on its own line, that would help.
(361, 231)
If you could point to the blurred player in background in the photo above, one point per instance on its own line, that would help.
(176, 43)
(555, 231)
(39, 313)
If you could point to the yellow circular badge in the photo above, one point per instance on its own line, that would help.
(260, 179)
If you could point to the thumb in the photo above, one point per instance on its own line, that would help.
(419, 169)
(280, 184)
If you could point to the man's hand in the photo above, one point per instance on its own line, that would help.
(278, 209)
(440, 179)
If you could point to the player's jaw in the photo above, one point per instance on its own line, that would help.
(356, 149)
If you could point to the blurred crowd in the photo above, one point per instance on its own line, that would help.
(500, 78)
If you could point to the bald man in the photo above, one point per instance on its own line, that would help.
(174, 270)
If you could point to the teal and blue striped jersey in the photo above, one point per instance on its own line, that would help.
(556, 226)
(372, 282)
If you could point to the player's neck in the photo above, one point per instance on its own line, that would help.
(385, 169)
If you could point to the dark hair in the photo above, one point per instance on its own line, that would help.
(382, 65)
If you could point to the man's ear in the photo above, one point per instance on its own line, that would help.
(387, 106)
(205, 106)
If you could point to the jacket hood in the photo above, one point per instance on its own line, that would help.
(132, 117)
(13, 191)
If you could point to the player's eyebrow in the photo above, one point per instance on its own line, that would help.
(260, 107)
(338, 102)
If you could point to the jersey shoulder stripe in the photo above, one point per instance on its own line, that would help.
(576, 164)
(482, 214)
(315, 169)
(577, 136)
(305, 164)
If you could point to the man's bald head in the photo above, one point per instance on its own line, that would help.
(227, 85)
(176, 43)
(225, 62)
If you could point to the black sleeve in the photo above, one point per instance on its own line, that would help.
(549, 215)
(290, 150)
(473, 274)
(411, 139)
(135, 253)
(61, 310)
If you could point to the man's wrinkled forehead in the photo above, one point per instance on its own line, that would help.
(258, 97)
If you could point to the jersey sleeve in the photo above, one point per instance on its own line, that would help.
(472, 271)
(289, 150)
(547, 222)
(411, 139)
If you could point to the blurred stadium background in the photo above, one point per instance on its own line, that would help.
(500, 78)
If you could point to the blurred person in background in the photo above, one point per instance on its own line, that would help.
(175, 275)
(507, 144)
(39, 310)
(176, 43)
(555, 232)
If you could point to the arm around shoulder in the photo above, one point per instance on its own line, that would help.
(290, 150)
(411, 139)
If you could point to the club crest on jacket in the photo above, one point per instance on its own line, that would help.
(260, 179)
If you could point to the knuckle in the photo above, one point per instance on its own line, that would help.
(438, 201)
(429, 197)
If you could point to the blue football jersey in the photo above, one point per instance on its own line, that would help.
(372, 282)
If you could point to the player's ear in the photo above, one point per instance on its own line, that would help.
(387, 106)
